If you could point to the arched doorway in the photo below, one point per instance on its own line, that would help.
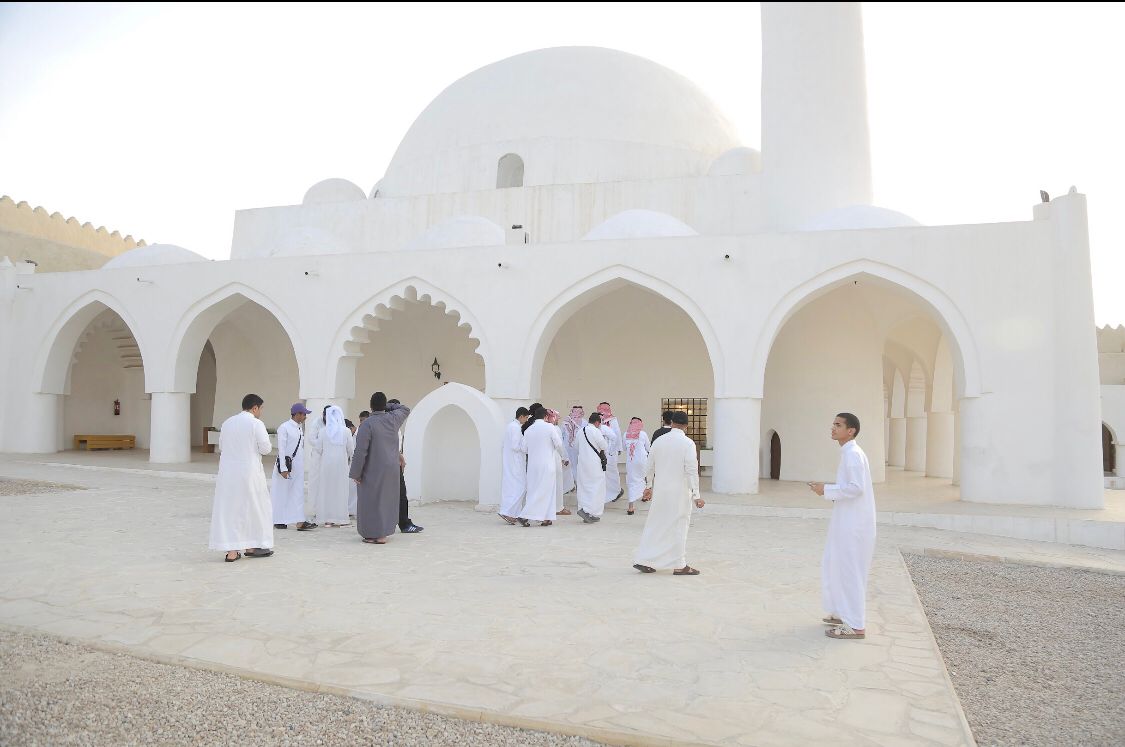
(1109, 451)
(775, 456)
(452, 449)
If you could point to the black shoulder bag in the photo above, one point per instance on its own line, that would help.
(289, 459)
(599, 452)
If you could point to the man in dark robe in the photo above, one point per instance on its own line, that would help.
(375, 468)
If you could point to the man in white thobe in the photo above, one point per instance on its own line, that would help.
(241, 513)
(851, 534)
(514, 484)
(612, 474)
(288, 485)
(590, 477)
(672, 477)
(611, 462)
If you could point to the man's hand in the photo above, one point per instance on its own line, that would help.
(401, 462)
(699, 503)
(356, 480)
(817, 487)
(566, 463)
(647, 495)
(285, 475)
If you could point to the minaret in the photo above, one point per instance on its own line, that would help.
(816, 153)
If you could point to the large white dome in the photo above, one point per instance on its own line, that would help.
(572, 114)
(153, 254)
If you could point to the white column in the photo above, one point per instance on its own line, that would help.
(1118, 465)
(170, 433)
(939, 444)
(957, 448)
(735, 439)
(42, 431)
(916, 444)
(897, 449)
(886, 440)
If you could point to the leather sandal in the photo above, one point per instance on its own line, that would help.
(237, 555)
(687, 570)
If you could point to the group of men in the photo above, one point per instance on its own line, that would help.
(246, 512)
(539, 455)
(536, 463)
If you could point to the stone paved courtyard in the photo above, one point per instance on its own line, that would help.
(547, 628)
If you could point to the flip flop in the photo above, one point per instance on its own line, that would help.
(231, 560)
(844, 632)
(687, 570)
(644, 568)
(371, 541)
(507, 519)
(258, 553)
(831, 620)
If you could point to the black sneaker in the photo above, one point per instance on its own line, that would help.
(280, 526)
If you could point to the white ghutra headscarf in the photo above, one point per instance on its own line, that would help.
(335, 430)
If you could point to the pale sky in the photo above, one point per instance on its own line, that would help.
(161, 120)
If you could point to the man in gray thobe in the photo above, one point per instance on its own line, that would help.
(376, 471)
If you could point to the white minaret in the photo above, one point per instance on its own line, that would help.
(816, 153)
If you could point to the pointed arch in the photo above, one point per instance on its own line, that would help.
(199, 321)
(365, 318)
(968, 376)
(55, 356)
(557, 311)
(488, 422)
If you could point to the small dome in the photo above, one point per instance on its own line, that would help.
(333, 190)
(858, 216)
(462, 230)
(639, 224)
(153, 254)
(305, 241)
(737, 161)
(573, 115)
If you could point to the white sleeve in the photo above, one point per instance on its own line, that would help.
(691, 470)
(262, 437)
(852, 487)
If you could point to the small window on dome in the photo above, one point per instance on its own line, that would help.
(509, 173)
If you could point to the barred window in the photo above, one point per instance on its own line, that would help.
(696, 409)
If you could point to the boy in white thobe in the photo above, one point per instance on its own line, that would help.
(514, 483)
(611, 463)
(636, 461)
(288, 485)
(612, 474)
(851, 534)
(590, 477)
(672, 475)
(241, 513)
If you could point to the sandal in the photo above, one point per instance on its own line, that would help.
(564, 512)
(630, 513)
(237, 555)
(546, 523)
(305, 526)
(258, 552)
(644, 568)
(844, 631)
(508, 519)
(687, 570)
(524, 522)
(373, 541)
(832, 620)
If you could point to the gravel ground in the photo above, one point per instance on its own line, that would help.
(1037, 655)
(9, 486)
(53, 692)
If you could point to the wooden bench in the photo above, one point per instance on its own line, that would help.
(105, 442)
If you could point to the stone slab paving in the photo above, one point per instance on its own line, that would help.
(541, 627)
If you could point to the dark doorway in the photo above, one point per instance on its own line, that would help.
(775, 457)
(1109, 451)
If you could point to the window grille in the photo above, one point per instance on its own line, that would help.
(696, 409)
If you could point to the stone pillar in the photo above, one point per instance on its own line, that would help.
(42, 430)
(170, 435)
(897, 449)
(939, 444)
(916, 444)
(957, 448)
(735, 437)
(886, 440)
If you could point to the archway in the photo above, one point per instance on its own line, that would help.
(1109, 451)
(865, 345)
(452, 434)
(400, 340)
(230, 344)
(509, 171)
(628, 343)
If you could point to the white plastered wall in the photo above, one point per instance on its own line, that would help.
(96, 380)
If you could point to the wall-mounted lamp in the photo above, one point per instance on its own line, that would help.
(726, 256)
(147, 282)
(436, 368)
(312, 274)
(501, 265)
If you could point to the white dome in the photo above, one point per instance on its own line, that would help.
(858, 216)
(572, 114)
(154, 254)
(461, 230)
(737, 161)
(639, 224)
(333, 190)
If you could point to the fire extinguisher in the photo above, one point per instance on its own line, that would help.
(116, 407)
